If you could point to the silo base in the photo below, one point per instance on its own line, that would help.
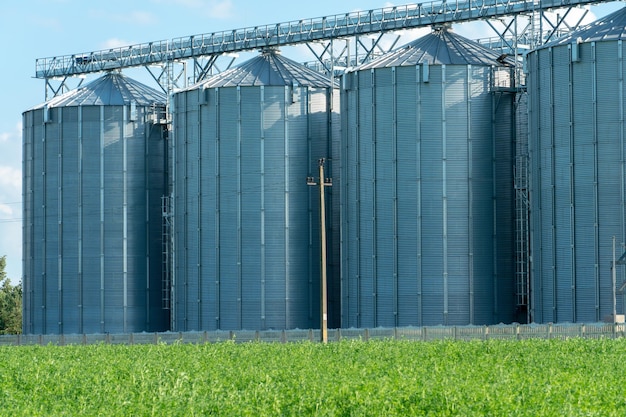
(619, 318)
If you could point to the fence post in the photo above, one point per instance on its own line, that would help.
(366, 334)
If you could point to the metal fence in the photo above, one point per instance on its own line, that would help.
(504, 332)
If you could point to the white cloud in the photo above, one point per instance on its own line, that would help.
(10, 177)
(140, 17)
(5, 211)
(10, 198)
(135, 17)
(11, 164)
(220, 9)
(113, 43)
(48, 23)
(216, 9)
(16, 134)
(191, 4)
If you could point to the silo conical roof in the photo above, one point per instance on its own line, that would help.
(612, 27)
(440, 47)
(112, 89)
(268, 69)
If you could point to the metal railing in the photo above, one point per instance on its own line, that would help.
(357, 23)
(428, 333)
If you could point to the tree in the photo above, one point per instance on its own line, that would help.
(10, 303)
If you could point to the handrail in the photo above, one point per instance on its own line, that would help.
(411, 15)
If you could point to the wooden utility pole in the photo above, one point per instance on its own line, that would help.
(323, 182)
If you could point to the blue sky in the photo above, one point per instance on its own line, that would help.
(34, 29)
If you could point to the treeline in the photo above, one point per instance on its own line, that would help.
(10, 303)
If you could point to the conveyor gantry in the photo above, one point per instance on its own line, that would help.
(352, 24)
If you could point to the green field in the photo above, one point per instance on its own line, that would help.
(352, 378)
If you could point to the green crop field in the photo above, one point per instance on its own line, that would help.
(575, 377)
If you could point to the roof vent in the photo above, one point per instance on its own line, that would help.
(270, 50)
(441, 27)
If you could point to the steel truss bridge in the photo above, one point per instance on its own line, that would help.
(523, 25)
(341, 41)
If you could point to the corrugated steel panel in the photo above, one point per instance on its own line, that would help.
(269, 68)
(350, 199)
(112, 89)
(407, 217)
(96, 230)
(578, 194)
(441, 47)
(432, 186)
(609, 28)
(256, 216)
(384, 208)
(418, 165)
(506, 132)
(28, 174)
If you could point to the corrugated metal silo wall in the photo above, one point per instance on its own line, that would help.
(505, 128)
(92, 221)
(418, 198)
(246, 242)
(577, 156)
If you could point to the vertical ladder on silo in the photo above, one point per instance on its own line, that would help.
(166, 281)
(522, 214)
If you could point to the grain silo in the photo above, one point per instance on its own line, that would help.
(93, 180)
(246, 224)
(576, 125)
(427, 196)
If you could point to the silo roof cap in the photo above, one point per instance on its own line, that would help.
(267, 69)
(610, 27)
(112, 89)
(440, 47)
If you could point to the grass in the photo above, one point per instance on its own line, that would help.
(575, 377)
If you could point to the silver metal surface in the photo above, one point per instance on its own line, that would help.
(254, 133)
(93, 180)
(427, 168)
(576, 126)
